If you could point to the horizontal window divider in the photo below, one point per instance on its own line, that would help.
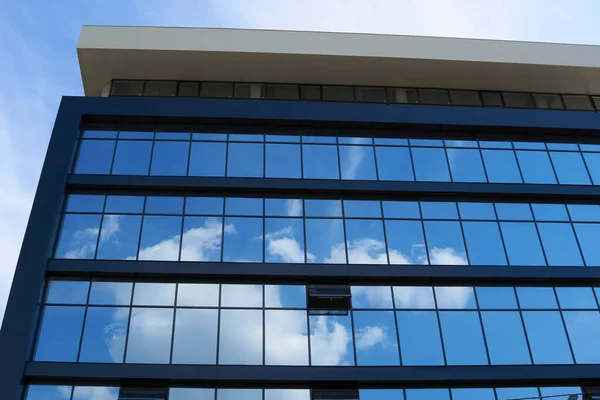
(301, 376)
(336, 273)
(377, 190)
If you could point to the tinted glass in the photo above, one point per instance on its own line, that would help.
(501, 166)
(286, 337)
(376, 340)
(160, 238)
(357, 162)
(320, 162)
(149, 339)
(119, 237)
(60, 333)
(202, 238)
(522, 243)
(570, 168)
(461, 331)
(104, 335)
(170, 158)
(419, 338)
(95, 157)
(238, 346)
(430, 164)
(505, 337)
(394, 163)
(547, 337)
(466, 165)
(78, 236)
(243, 240)
(323, 351)
(283, 161)
(67, 292)
(207, 159)
(560, 244)
(583, 328)
(195, 337)
(536, 167)
(132, 157)
(245, 160)
(325, 241)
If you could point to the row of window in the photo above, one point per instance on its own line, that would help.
(49, 392)
(362, 237)
(339, 158)
(361, 94)
(455, 333)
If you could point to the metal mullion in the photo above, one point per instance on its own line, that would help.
(100, 227)
(223, 230)
(387, 250)
(447, 160)
(462, 231)
(424, 234)
(520, 310)
(549, 154)
(308, 326)
(129, 319)
(576, 237)
(562, 318)
(351, 314)
(501, 235)
(301, 145)
(487, 351)
(114, 155)
(514, 150)
(339, 160)
(139, 244)
(439, 320)
(219, 310)
(172, 341)
(181, 232)
(412, 163)
(264, 234)
(152, 153)
(189, 160)
(304, 232)
(487, 179)
(535, 223)
(85, 312)
(226, 154)
(264, 327)
(587, 169)
(264, 156)
(345, 233)
(395, 311)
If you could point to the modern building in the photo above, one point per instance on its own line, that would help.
(267, 215)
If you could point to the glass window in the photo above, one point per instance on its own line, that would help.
(406, 244)
(243, 206)
(465, 98)
(427, 142)
(245, 160)
(283, 207)
(191, 394)
(243, 240)
(132, 157)
(111, 293)
(204, 205)
(461, 330)
(241, 296)
(136, 135)
(433, 96)
(197, 295)
(376, 339)
(325, 241)
(550, 212)
(149, 339)
(583, 328)
(241, 346)
(455, 298)
(584, 212)
(486, 144)
(562, 146)
(560, 244)
(104, 335)
(124, 204)
(310, 92)
(188, 89)
(492, 99)
(248, 90)
(172, 135)
(370, 94)
(211, 137)
(461, 143)
(402, 96)
(578, 102)
(154, 294)
(554, 391)
(477, 211)
(195, 337)
(338, 93)
(570, 168)
(549, 101)
(439, 210)
(371, 297)
(516, 393)
(286, 337)
(287, 394)
(362, 208)
(501, 166)
(126, 88)
(78, 236)
(48, 392)
(592, 160)
(331, 340)
(522, 243)
(160, 88)
(587, 235)
(85, 203)
(518, 100)
(283, 138)
(284, 240)
(576, 298)
(394, 164)
(536, 297)
(202, 238)
(319, 139)
(430, 164)
(547, 337)
(530, 145)
(216, 89)
(596, 100)
(427, 394)
(119, 237)
(67, 292)
(320, 162)
(283, 161)
(285, 296)
(415, 297)
(323, 208)
(282, 92)
(207, 159)
(95, 157)
(170, 158)
(245, 136)
(514, 211)
(357, 162)
(164, 205)
(445, 242)
(496, 298)
(473, 394)
(237, 394)
(381, 394)
(365, 241)
(466, 165)
(505, 338)
(536, 167)
(401, 209)
(420, 342)
(160, 238)
(60, 333)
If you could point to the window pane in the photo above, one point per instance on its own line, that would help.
(371, 297)
(331, 340)
(370, 94)
(495, 298)
(323, 208)
(560, 244)
(455, 297)
(357, 162)
(547, 337)
(463, 339)
(164, 205)
(427, 394)
(466, 165)
(518, 100)
(473, 394)
(191, 394)
(245, 160)
(418, 297)
(248, 90)
(154, 294)
(136, 135)
(287, 394)
(325, 241)
(366, 244)
(584, 212)
(286, 337)
(465, 98)
(241, 346)
(204, 205)
(536, 297)
(550, 212)
(160, 238)
(549, 101)
(578, 102)
(402, 96)
(188, 89)
(576, 298)
(160, 88)
(553, 391)
(583, 328)
(282, 92)
(362, 208)
(60, 333)
(243, 241)
(430, 164)
(338, 93)
(216, 90)
(492, 99)
(484, 243)
(516, 393)
(514, 211)
(477, 211)
(376, 339)
(119, 237)
(283, 207)
(95, 157)
(111, 293)
(150, 336)
(202, 238)
(170, 158)
(284, 240)
(207, 159)
(104, 335)
(522, 243)
(126, 88)
(85, 203)
(283, 138)
(505, 338)
(381, 394)
(285, 296)
(420, 342)
(67, 292)
(588, 235)
(124, 204)
(394, 164)
(592, 160)
(445, 243)
(501, 166)
(536, 167)
(198, 294)
(48, 392)
(78, 236)
(283, 161)
(132, 157)
(401, 209)
(433, 96)
(310, 92)
(195, 340)
(241, 295)
(439, 210)
(206, 136)
(570, 168)
(243, 206)
(237, 394)
(320, 162)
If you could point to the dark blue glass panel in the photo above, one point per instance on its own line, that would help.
(401, 209)
(420, 342)
(463, 339)
(501, 166)
(536, 297)
(381, 394)
(355, 140)
(150, 346)
(362, 208)
(104, 335)
(445, 243)
(430, 164)
(202, 238)
(371, 297)
(99, 134)
(321, 341)
(576, 298)
(111, 293)
(283, 207)
(516, 393)
(376, 339)
(245, 160)
(236, 394)
(160, 238)
(283, 161)
(522, 243)
(244, 241)
(536, 167)
(207, 159)
(218, 137)
(583, 328)
(550, 212)
(170, 158)
(427, 394)
(48, 392)
(391, 141)
(95, 393)
(514, 212)
(59, 334)
(154, 294)
(132, 158)
(136, 135)
(323, 208)
(119, 237)
(426, 142)
(562, 146)
(584, 212)
(473, 394)
(589, 147)
(588, 235)
(530, 145)
(318, 139)
(592, 160)
(559, 244)
(195, 336)
(124, 204)
(236, 295)
(442, 210)
(164, 205)
(198, 294)
(461, 143)
(245, 137)
(284, 240)
(394, 164)
(85, 203)
(67, 292)
(204, 205)
(495, 145)
(243, 206)
(505, 338)
(283, 138)
(556, 391)
(365, 241)
(477, 211)
(78, 236)
(172, 136)
(496, 298)
(325, 241)
(95, 157)
(547, 337)
(357, 163)
(320, 162)
(406, 243)
(466, 165)
(570, 168)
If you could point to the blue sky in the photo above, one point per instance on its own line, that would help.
(39, 63)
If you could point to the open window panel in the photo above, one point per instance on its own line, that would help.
(335, 394)
(130, 393)
(329, 299)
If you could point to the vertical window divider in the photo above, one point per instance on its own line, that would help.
(264, 154)
(182, 229)
(524, 326)
(562, 318)
(395, 311)
(518, 162)
(464, 238)
(143, 216)
(572, 224)
(339, 160)
(219, 310)
(264, 328)
(152, 153)
(585, 164)
(264, 235)
(301, 145)
(351, 314)
(189, 158)
(172, 341)
(346, 244)
(501, 235)
(487, 179)
(549, 155)
(304, 231)
(439, 320)
(226, 154)
(487, 351)
(100, 228)
(129, 319)
(85, 311)
(537, 230)
(223, 230)
(385, 241)
(447, 160)
(424, 233)
(114, 155)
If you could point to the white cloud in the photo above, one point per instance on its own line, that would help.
(356, 156)
(283, 244)
(446, 256)
(294, 207)
(456, 297)
(414, 297)
(369, 336)
(371, 296)
(94, 393)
